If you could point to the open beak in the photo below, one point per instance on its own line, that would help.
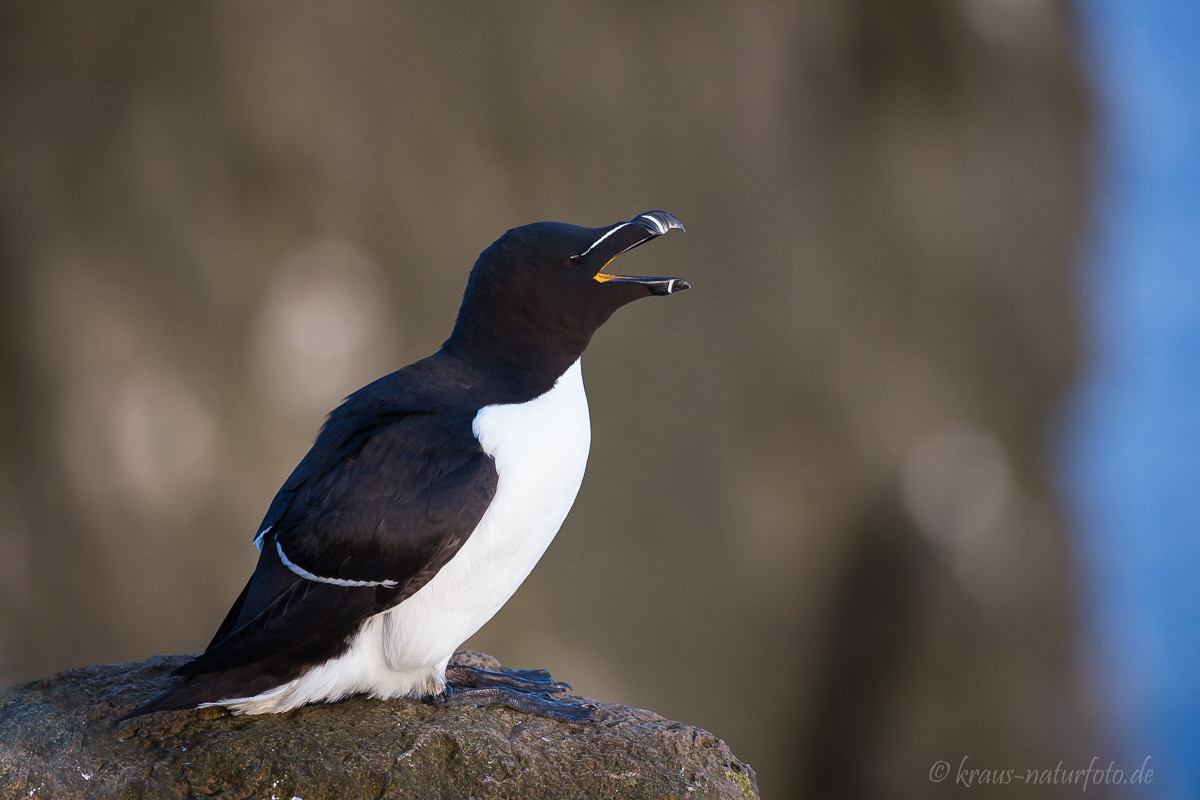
(623, 237)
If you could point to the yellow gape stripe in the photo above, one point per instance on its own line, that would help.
(600, 276)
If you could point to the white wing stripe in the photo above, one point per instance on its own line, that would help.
(258, 540)
(303, 573)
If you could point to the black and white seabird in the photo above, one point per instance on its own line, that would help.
(429, 495)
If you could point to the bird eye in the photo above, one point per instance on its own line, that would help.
(575, 259)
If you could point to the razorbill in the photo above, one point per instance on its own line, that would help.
(429, 495)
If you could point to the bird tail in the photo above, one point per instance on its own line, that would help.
(176, 698)
(211, 688)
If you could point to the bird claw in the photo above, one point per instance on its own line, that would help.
(530, 703)
(527, 680)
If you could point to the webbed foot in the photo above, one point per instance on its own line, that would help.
(529, 680)
(525, 690)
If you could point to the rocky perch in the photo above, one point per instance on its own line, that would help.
(58, 740)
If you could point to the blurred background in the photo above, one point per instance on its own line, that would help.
(909, 476)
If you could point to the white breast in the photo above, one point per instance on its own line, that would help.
(540, 449)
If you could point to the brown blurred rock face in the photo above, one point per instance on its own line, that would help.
(818, 479)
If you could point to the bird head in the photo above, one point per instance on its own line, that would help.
(540, 291)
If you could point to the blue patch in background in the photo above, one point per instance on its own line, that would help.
(1131, 458)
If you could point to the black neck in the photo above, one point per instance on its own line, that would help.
(514, 350)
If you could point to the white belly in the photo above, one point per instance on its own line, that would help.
(540, 448)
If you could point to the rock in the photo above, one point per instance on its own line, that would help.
(58, 740)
